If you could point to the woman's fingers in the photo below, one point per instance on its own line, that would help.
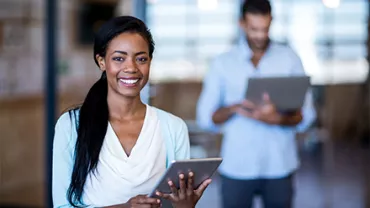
(155, 206)
(186, 189)
(190, 188)
(182, 184)
(142, 199)
(162, 195)
(173, 188)
(203, 187)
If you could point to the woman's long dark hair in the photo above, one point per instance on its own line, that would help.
(93, 118)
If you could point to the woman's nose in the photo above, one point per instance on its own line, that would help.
(130, 66)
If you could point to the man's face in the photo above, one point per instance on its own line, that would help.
(256, 28)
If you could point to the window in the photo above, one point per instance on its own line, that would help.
(326, 39)
(331, 42)
(188, 35)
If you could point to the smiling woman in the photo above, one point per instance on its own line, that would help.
(127, 63)
(113, 149)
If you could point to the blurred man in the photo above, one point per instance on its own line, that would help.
(259, 148)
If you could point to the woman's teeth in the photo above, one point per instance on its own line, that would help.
(129, 81)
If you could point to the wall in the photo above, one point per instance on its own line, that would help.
(21, 85)
(22, 48)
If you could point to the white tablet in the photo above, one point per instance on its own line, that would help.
(203, 169)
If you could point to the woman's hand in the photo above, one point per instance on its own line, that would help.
(142, 201)
(186, 196)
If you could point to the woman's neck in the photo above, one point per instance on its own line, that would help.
(123, 108)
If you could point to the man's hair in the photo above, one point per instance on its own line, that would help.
(262, 7)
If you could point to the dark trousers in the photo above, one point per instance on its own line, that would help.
(275, 193)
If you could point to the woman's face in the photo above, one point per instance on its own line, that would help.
(127, 64)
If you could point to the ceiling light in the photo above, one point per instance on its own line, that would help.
(207, 5)
(332, 4)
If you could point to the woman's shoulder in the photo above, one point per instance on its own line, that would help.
(177, 134)
(169, 118)
(65, 135)
(68, 119)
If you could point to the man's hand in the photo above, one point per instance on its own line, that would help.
(267, 112)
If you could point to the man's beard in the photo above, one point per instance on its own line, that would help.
(261, 46)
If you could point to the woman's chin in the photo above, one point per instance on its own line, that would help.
(129, 93)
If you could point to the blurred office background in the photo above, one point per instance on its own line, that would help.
(331, 37)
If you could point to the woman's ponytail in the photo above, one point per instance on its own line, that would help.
(91, 130)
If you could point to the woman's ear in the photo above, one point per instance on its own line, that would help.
(101, 62)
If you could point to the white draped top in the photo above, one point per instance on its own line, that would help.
(119, 177)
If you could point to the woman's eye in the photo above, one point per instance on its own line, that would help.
(118, 59)
(142, 59)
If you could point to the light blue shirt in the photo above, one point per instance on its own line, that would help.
(252, 149)
(173, 129)
(145, 93)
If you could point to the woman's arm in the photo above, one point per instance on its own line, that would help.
(63, 148)
(182, 146)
